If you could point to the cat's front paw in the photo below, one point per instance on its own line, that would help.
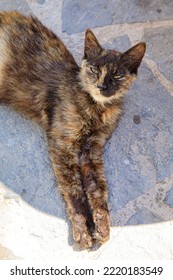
(82, 237)
(102, 225)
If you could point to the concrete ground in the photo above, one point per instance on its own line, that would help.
(138, 157)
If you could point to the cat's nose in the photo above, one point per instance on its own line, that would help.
(102, 86)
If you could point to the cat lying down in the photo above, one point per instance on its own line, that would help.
(78, 107)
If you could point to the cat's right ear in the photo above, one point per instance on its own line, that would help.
(132, 58)
(92, 46)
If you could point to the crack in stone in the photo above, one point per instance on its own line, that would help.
(149, 201)
(133, 30)
(158, 75)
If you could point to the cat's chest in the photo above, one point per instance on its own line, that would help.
(76, 125)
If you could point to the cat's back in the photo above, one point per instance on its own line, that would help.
(27, 36)
(34, 64)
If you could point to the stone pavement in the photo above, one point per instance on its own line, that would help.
(138, 157)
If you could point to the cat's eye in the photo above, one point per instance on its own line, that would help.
(118, 77)
(94, 70)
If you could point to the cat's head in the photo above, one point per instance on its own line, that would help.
(107, 74)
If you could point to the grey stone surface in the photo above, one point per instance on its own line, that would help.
(159, 45)
(18, 5)
(41, 2)
(120, 43)
(138, 155)
(78, 15)
(144, 215)
(25, 167)
(138, 158)
(169, 198)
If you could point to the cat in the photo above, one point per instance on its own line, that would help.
(78, 107)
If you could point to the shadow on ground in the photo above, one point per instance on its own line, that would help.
(137, 157)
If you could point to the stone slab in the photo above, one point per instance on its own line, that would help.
(41, 2)
(159, 48)
(140, 152)
(169, 198)
(144, 216)
(78, 15)
(17, 5)
(25, 165)
(120, 43)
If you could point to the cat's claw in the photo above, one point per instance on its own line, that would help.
(102, 226)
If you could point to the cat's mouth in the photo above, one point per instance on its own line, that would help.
(107, 92)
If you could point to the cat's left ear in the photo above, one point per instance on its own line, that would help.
(92, 46)
(132, 58)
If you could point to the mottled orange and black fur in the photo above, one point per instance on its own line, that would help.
(78, 107)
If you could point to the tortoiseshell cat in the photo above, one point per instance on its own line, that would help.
(78, 107)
